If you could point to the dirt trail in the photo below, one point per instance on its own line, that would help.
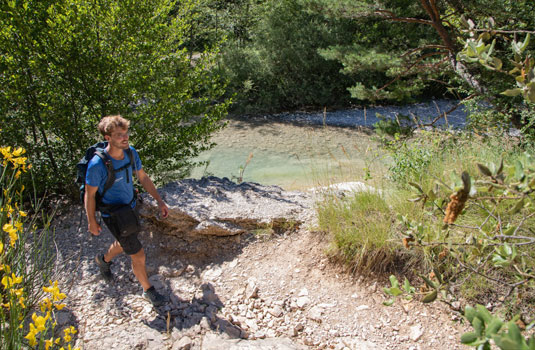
(252, 286)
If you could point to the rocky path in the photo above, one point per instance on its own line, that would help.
(255, 290)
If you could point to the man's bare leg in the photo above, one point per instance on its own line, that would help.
(138, 266)
(114, 250)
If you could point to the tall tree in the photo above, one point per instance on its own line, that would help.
(65, 64)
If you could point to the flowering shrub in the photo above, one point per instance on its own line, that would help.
(24, 266)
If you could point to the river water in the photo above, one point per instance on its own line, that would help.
(303, 150)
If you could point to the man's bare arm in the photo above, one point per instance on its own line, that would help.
(148, 185)
(90, 209)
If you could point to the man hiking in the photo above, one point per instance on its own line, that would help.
(119, 195)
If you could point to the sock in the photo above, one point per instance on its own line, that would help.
(151, 288)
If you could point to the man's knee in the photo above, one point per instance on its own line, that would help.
(138, 257)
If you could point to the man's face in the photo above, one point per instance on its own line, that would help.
(119, 138)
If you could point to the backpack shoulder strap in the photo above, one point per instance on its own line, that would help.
(131, 156)
(102, 154)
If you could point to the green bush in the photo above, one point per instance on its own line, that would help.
(409, 161)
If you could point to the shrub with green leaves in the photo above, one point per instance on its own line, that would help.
(484, 228)
(409, 161)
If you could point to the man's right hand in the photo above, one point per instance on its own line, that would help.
(94, 228)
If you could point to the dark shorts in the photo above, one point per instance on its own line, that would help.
(130, 244)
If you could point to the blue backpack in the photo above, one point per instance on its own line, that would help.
(99, 149)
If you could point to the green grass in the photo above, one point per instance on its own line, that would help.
(363, 235)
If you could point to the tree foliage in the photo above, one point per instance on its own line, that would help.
(66, 64)
(382, 57)
(272, 60)
(437, 32)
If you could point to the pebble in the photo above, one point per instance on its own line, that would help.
(416, 332)
(302, 302)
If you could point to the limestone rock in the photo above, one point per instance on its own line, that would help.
(220, 207)
(302, 302)
(251, 291)
(183, 344)
(416, 332)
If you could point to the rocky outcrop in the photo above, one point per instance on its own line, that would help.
(220, 207)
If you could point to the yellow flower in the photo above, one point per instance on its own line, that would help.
(8, 282)
(21, 302)
(46, 304)
(17, 174)
(57, 341)
(19, 161)
(18, 151)
(5, 268)
(31, 336)
(71, 330)
(10, 209)
(60, 306)
(48, 343)
(17, 292)
(67, 338)
(18, 226)
(22, 213)
(54, 290)
(13, 237)
(40, 321)
(6, 152)
(16, 280)
(1, 247)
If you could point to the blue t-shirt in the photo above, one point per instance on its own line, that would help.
(122, 191)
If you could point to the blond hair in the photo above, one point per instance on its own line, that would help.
(109, 123)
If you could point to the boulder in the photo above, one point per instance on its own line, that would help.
(220, 207)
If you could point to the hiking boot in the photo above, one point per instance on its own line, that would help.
(154, 297)
(104, 267)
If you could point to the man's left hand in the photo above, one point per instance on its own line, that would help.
(164, 210)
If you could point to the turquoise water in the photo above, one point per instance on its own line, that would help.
(289, 155)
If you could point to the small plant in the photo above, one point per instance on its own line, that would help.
(409, 160)
(489, 329)
(362, 235)
(239, 178)
(399, 127)
(395, 290)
